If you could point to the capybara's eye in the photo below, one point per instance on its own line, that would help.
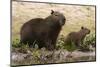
(56, 15)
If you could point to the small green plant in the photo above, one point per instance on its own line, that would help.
(60, 42)
(70, 46)
(90, 40)
(36, 55)
(16, 43)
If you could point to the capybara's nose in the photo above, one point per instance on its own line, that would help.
(89, 31)
(64, 19)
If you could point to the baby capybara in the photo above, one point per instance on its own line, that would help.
(77, 37)
(43, 32)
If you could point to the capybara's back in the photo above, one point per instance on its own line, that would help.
(27, 30)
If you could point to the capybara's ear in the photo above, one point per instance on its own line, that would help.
(52, 11)
(82, 27)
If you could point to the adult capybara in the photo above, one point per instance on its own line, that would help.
(43, 32)
(77, 37)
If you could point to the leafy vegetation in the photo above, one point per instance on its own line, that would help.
(88, 43)
(90, 40)
(43, 56)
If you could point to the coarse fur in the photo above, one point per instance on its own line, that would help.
(77, 37)
(43, 32)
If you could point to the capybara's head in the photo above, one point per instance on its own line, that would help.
(58, 17)
(85, 30)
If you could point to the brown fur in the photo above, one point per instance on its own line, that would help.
(43, 32)
(77, 37)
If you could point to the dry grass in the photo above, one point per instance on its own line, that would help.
(76, 16)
